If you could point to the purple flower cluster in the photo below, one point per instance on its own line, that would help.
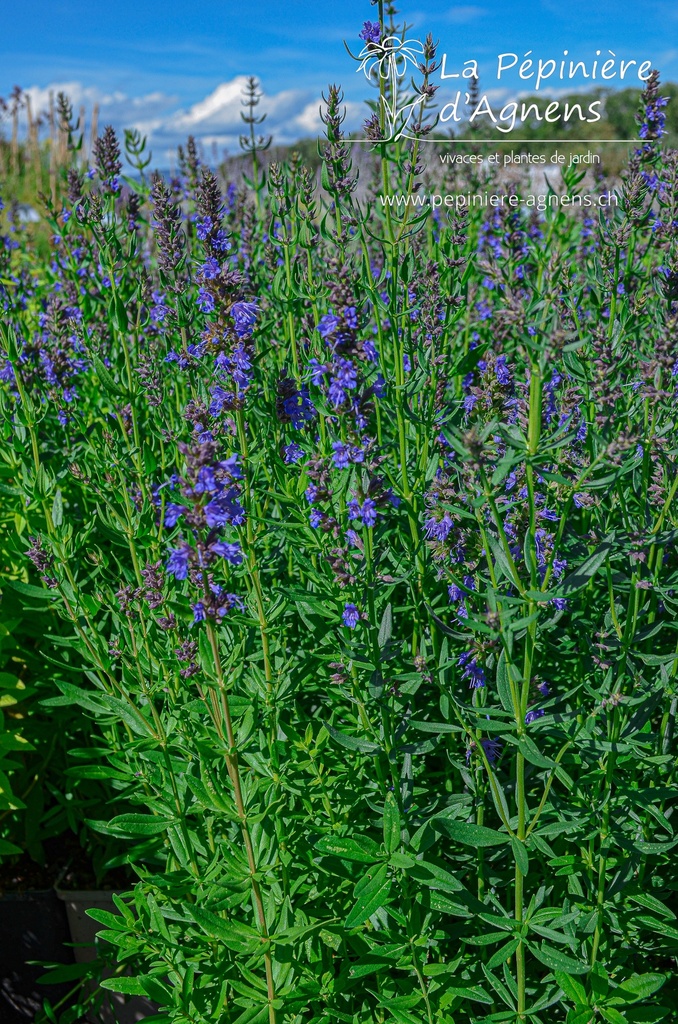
(366, 513)
(458, 596)
(344, 454)
(211, 494)
(371, 32)
(351, 616)
(471, 670)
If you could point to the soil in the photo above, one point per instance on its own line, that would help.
(66, 864)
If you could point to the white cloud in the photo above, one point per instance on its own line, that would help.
(291, 114)
(464, 14)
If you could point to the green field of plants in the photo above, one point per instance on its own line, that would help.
(339, 580)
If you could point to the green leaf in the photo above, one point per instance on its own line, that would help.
(611, 1015)
(28, 590)
(128, 986)
(120, 314)
(372, 896)
(236, 936)
(434, 877)
(657, 926)
(57, 508)
(572, 988)
(520, 855)
(361, 848)
(468, 833)
(105, 377)
(531, 753)
(476, 994)
(391, 824)
(352, 742)
(133, 825)
(504, 684)
(386, 627)
(580, 577)
(503, 954)
(652, 903)
(642, 986)
(557, 961)
(7, 848)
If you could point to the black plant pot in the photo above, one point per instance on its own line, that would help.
(33, 926)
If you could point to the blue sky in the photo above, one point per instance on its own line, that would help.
(175, 67)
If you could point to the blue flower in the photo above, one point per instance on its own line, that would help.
(471, 670)
(328, 325)
(502, 372)
(293, 452)
(368, 513)
(492, 749)
(173, 512)
(299, 407)
(353, 508)
(231, 552)
(198, 610)
(177, 563)
(209, 270)
(203, 228)
(351, 616)
(438, 529)
(532, 716)
(224, 508)
(220, 398)
(318, 371)
(371, 32)
(205, 301)
(244, 316)
(341, 457)
(344, 377)
(315, 517)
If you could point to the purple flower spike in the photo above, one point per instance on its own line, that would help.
(371, 32)
(231, 552)
(177, 563)
(244, 317)
(532, 716)
(351, 616)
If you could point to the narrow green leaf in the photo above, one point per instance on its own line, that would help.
(361, 848)
(520, 855)
(468, 833)
(386, 627)
(391, 823)
(57, 508)
(372, 897)
(504, 684)
(642, 986)
(352, 742)
(503, 954)
(105, 377)
(128, 986)
(572, 988)
(476, 994)
(236, 936)
(557, 961)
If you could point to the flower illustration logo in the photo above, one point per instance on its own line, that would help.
(389, 59)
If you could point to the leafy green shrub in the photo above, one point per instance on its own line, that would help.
(363, 520)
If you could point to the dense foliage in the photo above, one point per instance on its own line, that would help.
(358, 525)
